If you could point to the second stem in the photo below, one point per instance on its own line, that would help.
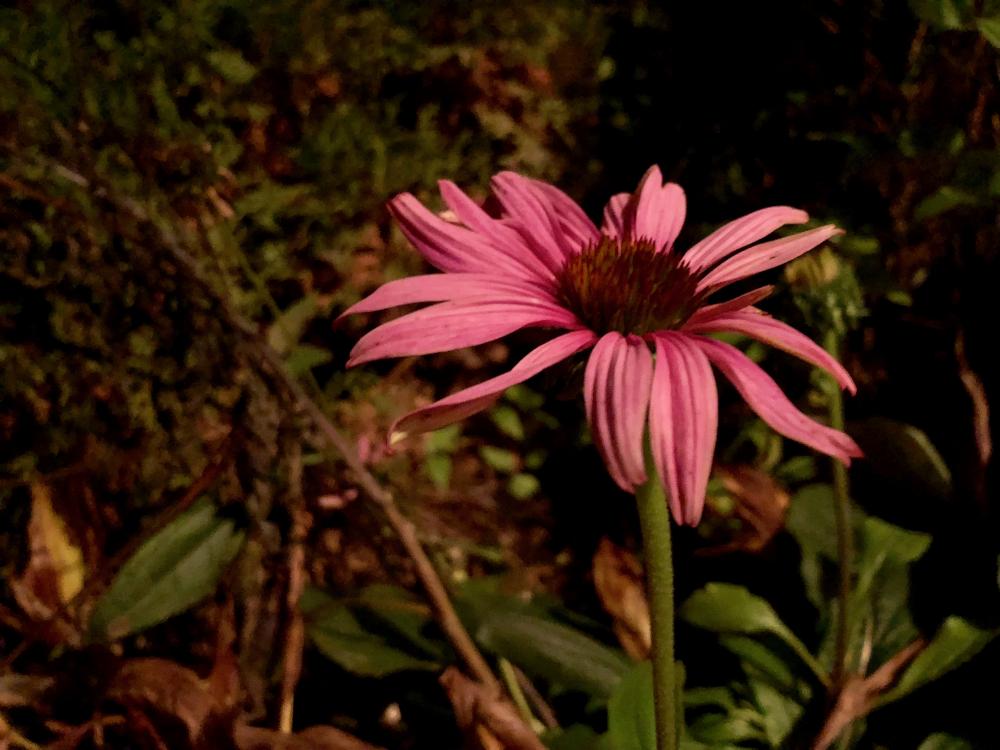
(845, 538)
(654, 519)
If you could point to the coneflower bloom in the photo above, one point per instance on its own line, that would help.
(624, 292)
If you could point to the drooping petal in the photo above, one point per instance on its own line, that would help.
(616, 395)
(444, 245)
(614, 222)
(533, 216)
(505, 239)
(656, 211)
(574, 223)
(739, 233)
(457, 324)
(440, 287)
(766, 398)
(683, 422)
(481, 396)
(710, 312)
(765, 256)
(761, 326)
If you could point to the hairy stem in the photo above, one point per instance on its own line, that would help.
(654, 518)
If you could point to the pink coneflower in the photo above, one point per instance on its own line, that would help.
(622, 291)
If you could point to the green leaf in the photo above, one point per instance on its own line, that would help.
(438, 467)
(285, 332)
(231, 65)
(522, 486)
(956, 642)
(553, 651)
(990, 28)
(941, 200)
(499, 459)
(508, 421)
(172, 571)
(406, 616)
(944, 742)
(702, 697)
(811, 520)
(779, 713)
(741, 725)
(727, 608)
(573, 737)
(341, 637)
(944, 14)
(305, 357)
(631, 713)
(761, 661)
(444, 440)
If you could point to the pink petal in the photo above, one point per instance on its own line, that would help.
(757, 324)
(616, 394)
(534, 217)
(574, 223)
(683, 422)
(457, 324)
(656, 211)
(447, 246)
(741, 232)
(710, 312)
(464, 403)
(439, 287)
(614, 223)
(765, 256)
(505, 239)
(767, 399)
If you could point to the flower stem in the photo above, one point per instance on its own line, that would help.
(845, 533)
(654, 518)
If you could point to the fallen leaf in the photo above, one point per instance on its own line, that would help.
(618, 579)
(54, 573)
(165, 689)
(23, 689)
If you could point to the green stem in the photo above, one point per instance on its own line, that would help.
(654, 518)
(845, 534)
(509, 677)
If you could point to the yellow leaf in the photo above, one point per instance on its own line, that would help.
(50, 539)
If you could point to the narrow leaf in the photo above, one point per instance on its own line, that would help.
(631, 712)
(174, 570)
(551, 650)
(955, 643)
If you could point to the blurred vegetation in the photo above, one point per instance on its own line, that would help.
(163, 493)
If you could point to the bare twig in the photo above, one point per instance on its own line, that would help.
(859, 695)
(294, 629)
(543, 709)
(980, 416)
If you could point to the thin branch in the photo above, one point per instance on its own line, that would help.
(291, 662)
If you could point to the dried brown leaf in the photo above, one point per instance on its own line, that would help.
(164, 688)
(486, 716)
(618, 579)
(54, 573)
(761, 503)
